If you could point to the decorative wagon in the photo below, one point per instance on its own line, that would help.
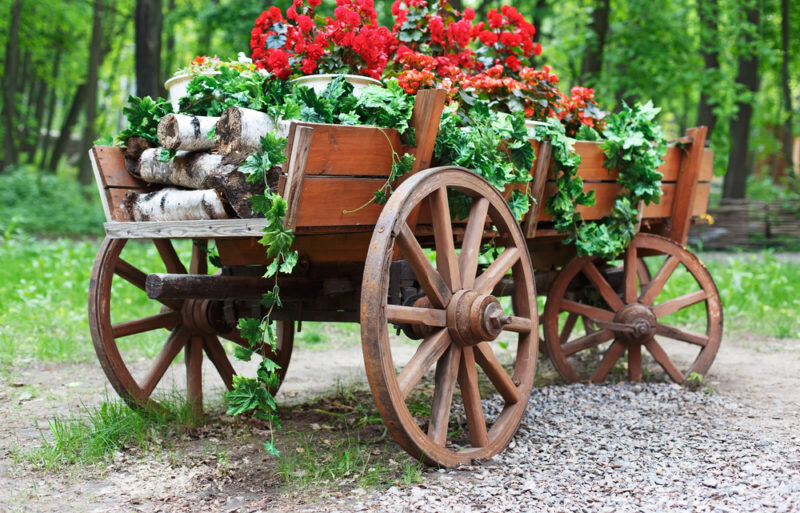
(372, 266)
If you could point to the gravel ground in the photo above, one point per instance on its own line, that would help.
(626, 447)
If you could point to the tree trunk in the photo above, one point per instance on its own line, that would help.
(44, 139)
(28, 139)
(10, 86)
(787, 92)
(85, 174)
(207, 35)
(169, 59)
(735, 183)
(174, 205)
(38, 118)
(592, 63)
(186, 132)
(149, 20)
(188, 170)
(709, 49)
(72, 116)
(239, 132)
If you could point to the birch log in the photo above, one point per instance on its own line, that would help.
(186, 132)
(185, 170)
(174, 205)
(237, 191)
(134, 147)
(239, 132)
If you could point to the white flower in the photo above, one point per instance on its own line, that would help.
(244, 58)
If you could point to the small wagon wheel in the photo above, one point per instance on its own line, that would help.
(639, 315)
(457, 319)
(189, 324)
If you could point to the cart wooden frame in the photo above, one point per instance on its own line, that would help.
(371, 266)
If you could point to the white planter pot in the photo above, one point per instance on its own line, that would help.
(531, 126)
(176, 87)
(319, 82)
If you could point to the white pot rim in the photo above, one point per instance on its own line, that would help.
(183, 76)
(331, 76)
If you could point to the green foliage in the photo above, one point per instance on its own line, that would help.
(634, 144)
(258, 164)
(213, 94)
(97, 432)
(144, 115)
(45, 204)
(494, 145)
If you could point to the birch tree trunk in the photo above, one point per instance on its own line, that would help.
(174, 205)
(184, 170)
(239, 132)
(186, 132)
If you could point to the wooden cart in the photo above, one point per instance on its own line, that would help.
(371, 266)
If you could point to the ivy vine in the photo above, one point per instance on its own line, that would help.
(634, 144)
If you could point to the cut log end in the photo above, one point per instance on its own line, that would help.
(185, 132)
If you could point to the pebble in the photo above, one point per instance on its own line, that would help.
(627, 447)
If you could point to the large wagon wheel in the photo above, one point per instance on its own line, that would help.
(637, 316)
(189, 323)
(457, 318)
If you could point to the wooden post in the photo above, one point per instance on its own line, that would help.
(298, 145)
(686, 187)
(542, 167)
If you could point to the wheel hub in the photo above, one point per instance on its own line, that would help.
(473, 318)
(195, 315)
(636, 323)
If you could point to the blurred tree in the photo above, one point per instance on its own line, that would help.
(786, 85)
(148, 25)
(592, 63)
(709, 49)
(739, 163)
(10, 86)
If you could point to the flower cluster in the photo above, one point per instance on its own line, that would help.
(507, 39)
(580, 108)
(303, 44)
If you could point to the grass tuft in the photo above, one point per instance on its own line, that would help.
(97, 432)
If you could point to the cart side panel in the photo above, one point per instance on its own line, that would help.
(113, 180)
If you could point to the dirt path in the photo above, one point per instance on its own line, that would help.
(763, 375)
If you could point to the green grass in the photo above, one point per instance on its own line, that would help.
(40, 203)
(760, 294)
(43, 298)
(93, 434)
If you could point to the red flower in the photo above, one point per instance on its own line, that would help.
(488, 38)
(537, 50)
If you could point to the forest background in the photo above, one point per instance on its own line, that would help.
(68, 67)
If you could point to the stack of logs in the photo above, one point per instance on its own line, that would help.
(201, 181)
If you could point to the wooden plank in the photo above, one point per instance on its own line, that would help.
(707, 165)
(592, 158)
(335, 247)
(351, 150)
(185, 229)
(606, 194)
(686, 187)
(111, 164)
(336, 201)
(301, 144)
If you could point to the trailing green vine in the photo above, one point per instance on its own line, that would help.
(634, 144)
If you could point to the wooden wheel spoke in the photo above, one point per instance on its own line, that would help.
(663, 360)
(656, 285)
(470, 248)
(602, 285)
(592, 312)
(431, 281)
(130, 274)
(446, 259)
(153, 322)
(412, 315)
(172, 347)
(199, 264)
(216, 353)
(518, 325)
(607, 363)
(446, 375)
(635, 362)
(631, 283)
(169, 256)
(569, 325)
(485, 357)
(587, 341)
(468, 383)
(682, 335)
(679, 303)
(429, 351)
(486, 282)
(193, 358)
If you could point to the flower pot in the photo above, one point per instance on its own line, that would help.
(319, 82)
(176, 86)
